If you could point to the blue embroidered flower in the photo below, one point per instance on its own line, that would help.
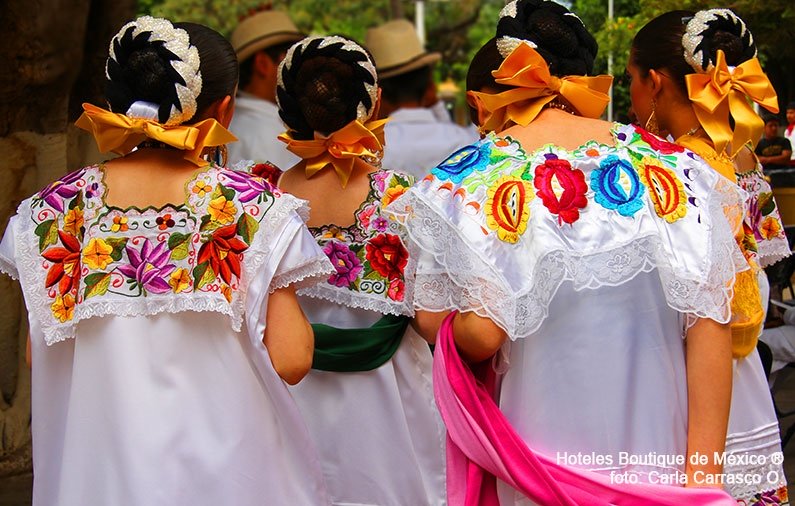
(616, 185)
(463, 162)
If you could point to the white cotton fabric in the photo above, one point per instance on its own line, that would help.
(257, 124)
(379, 434)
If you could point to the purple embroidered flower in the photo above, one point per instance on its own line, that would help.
(380, 224)
(770, 497)
(149, 267)
(65, 188)
(91, 190)
(247, 186)
(380, 178)
(345, 261)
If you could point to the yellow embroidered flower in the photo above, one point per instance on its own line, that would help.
(392, 193)
(180, 280)
(73, 221)
(119, 224)
(227, 291)
(96, 255)
(63, 308)
(222, 210)
(201, 189)
(770, 228)
(508, 207)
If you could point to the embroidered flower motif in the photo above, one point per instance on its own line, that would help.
(345, 262)
(387, 255)
(365, 215)
(65, 269)
(247, 186)
(201, 188)
(396, 289)
(770, 228)
(561, 188)
(73, 221)
(222, 210)
(267, 171)
(179, 280)
(617, 186)
(223, 251)
(663, 147)
(149, 267)
(380, 224)
(63, 189)
(462, 163)
(63, 307)
(508, 207)
(334, 232)
(770, 498)
(96, 255)
(665, 189)
(164, 222)
(392, 194)
(380, 178)
(119, 224)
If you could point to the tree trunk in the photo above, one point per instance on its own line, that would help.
(396, 9)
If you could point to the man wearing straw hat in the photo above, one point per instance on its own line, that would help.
(416, 139)
(261, 42)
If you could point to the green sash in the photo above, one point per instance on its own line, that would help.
(351, 350)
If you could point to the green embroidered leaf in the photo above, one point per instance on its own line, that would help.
(372, 274)
(228, 193)
(766, 204)
(96, 284)
(203, 275)
(77, 202)
(247, 226)
(207, 223)
(118, 244)
(178, 244)
(47, 232)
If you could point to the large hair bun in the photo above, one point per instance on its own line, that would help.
(714, 29)
(556, 33)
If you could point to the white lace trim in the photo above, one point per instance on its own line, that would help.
(361, 300)
(8, 267)
(315, 271)
(466, 282)
(764, 472)
(778, 250)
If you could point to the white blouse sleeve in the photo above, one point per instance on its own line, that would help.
(8, 262)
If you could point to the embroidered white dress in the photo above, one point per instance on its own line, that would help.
(379, 433)
(594, 261)
(151, 385)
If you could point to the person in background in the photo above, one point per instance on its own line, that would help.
(416, 137)
(591, 267)
(789, 132)
(261, 41)
(773, 150)
(160, 287)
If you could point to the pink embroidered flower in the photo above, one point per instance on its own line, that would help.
(396, 289)
(664, 147)
(345, 262)
(365, 215)
(380, 178)
(380, 224)
(561, 189)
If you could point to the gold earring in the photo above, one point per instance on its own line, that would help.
(651, 123)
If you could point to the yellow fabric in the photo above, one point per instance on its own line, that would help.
(723, 91)
(341, 150)
(119, 134)
(534, 87)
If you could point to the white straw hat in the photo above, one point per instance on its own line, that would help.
(261, 31)
(396, 48)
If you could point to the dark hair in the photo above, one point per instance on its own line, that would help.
(321, 87)
(791, 105)
(658, 45)
(560, 36)
(407, 87)
(479, 74)
(142, 70)
(771, 118)
(275, 53)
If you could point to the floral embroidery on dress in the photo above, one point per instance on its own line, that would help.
(508, 207)
(665, 189)
(617, 186)
(764, 238)
(776, 497)
(463, 162)
(561, 188)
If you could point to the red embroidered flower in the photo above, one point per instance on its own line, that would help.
(561, 189)
(387, 255)
(664, 147)
(164, 222)
(267, 171)
(396, 290)
(65, 269)
(223, 252)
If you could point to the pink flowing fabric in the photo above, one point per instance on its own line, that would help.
(482, 446)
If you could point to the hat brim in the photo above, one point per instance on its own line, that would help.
(272, 39)
(418, 61)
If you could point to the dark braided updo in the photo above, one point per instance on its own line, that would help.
(558, 35)
(324, 83)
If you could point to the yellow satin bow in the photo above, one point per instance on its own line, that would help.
(535, 87)
(341, 149)
(721, 91)
(120, 134)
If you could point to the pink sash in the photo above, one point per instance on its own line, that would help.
(482, 446)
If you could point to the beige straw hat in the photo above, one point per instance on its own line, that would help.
(396, 48)
(261, 31)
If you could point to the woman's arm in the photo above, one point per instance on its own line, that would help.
(427, 324)
(477, 338)
(709, 389)
(288, 336)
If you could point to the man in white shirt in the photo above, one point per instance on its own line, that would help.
(261, 42)
(416, 138)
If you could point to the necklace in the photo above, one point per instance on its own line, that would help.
(693, 130)
(563, 107)
(154, 144)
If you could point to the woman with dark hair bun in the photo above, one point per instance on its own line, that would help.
(589, 270)
(160, 288)
(368, 400)
(694, 75)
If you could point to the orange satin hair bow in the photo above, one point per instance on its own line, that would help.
(341, 150)
(723, 91)
(534, 87)
(120, 134)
